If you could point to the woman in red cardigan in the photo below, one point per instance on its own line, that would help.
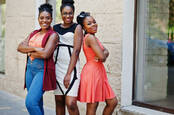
(40, 69)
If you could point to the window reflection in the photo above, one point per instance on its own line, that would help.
(154, 81)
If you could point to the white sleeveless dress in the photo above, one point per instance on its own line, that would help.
(62, 56)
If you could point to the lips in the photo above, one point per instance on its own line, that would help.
(68, 20)
(45, 25)
(94, 28)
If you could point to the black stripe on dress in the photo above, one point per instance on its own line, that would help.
(75, 70)
(75, 75)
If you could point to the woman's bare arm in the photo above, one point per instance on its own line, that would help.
(106, 52)
(23, 47)
(78, 36)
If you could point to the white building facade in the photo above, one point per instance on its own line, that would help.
(138, 35)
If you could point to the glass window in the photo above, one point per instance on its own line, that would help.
(154, 57)
(2, 35)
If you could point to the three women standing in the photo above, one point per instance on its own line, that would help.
(67, 60)
(40, 70)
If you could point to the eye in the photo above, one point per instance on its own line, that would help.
(66, 13)
(89, 23)
(41, 17)
(48, 18)
(71, 13)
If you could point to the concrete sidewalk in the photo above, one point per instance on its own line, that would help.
(14, 105)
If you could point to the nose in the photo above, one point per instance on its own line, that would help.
(68, 15)
(44, 20)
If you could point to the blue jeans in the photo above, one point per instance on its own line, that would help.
(34, 84)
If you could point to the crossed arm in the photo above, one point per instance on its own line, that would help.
(101, 55)
(35, 52)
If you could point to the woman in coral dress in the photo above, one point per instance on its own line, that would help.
(94, 86)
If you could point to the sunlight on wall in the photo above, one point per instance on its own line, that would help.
(58, 16)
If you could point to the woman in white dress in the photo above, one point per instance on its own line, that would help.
(67, 60)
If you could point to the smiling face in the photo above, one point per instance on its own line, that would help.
(90, 25)
(45, 20)
(67, 15)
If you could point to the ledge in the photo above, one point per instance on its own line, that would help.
(135, 110)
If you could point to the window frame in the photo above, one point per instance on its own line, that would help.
(3, 71)
(134, 102)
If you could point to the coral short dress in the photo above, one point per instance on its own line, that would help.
(94, 86)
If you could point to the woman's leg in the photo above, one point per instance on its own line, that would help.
(34, 99)
(28, 77)
(60, 104)
(91, 108)
(110, 106)
(72, 107)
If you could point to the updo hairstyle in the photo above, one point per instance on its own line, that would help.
(46, 7)
(81, 17)
(69, 3)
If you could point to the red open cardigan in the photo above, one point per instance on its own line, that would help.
(49, 80)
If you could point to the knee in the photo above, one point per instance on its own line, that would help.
(28, 103)
(31, 102)
(113, 102)
(60, 101)
(71, 105)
